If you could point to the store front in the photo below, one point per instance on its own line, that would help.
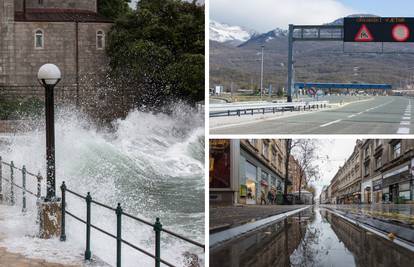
(251, 184)
(366, 192)
(377, 190)
(220, 178)
(396, 185)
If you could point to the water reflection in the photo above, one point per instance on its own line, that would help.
(312, 238)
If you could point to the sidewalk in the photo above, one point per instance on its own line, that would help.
(222, 218)
(8, 259)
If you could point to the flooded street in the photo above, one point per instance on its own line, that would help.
(315, 237)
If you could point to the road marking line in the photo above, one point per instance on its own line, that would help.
(351, 116)
(406, 118)
(403, 131)
(405, 123)
(407, 114)
(330, 123)
(359, 113)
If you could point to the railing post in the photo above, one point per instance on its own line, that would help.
(63, 210)
(24, 188)
(12, 183)
(118, 235)
(157, 229)
(1, 179)
(88, 227)
(39, 185)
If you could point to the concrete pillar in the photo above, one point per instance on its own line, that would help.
(49, 218)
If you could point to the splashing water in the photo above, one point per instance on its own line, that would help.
(153, 164)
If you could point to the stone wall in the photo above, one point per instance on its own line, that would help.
(89, 5)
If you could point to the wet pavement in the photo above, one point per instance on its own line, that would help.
(315, 237)
(231, 216)
(397, 213)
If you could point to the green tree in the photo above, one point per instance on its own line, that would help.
(113, 9)
(158, 50)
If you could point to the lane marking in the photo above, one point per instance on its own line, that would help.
(405, 123)
(406, 118)
(403, 130)
(330, 123)
(351, 116)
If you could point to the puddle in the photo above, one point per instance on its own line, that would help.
(315, 237)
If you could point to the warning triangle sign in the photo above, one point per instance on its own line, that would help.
(364, 35)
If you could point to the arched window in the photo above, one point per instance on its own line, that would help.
(100, 40)
(39, 39)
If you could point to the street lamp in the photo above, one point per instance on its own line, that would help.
(261, 76)
(49, 76)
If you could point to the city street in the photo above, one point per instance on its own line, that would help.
(380, 115)
(318, 236)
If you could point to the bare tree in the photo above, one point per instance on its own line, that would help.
(305, 152)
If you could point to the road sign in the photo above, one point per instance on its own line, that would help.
(364, 35)
(377, 29)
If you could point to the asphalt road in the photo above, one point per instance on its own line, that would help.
(381, 115)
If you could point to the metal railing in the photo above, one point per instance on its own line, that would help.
(11, 180)
(157, 227)
(239, 109)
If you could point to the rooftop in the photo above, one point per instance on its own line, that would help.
(59, 15)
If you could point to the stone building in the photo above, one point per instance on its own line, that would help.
(295, 172)
(382, 173)
(241, 169)
(70, 34)
(349, 176)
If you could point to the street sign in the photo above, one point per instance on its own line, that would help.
(376, 29)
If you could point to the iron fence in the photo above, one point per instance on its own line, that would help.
(119, 213)
(11, 180)
(157, 227)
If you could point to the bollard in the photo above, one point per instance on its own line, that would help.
(63, 210)
(24, 188)
(12, 183)
(118, 234)
(157, 229)
(88, 227)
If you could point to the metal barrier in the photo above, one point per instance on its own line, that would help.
(157, 227)
(238, 109)
(11, 180)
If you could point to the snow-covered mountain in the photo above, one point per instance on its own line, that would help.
(233, 35)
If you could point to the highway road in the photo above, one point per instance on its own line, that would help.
(380, 115)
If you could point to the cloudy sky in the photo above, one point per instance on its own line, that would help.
(265, 15)
(333, 153)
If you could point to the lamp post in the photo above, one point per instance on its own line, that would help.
(49, 76)
(261, 76)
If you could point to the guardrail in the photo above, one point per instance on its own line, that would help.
(11, 181)
(219, 110)
(157, 227)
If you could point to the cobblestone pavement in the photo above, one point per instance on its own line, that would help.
(227, 217)
(403, 213)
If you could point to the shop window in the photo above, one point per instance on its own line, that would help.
(100, 40)
(396, 150)
(39, 39)
(219, 163)
(251, 174)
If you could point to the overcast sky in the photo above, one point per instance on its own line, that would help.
(334, 153)
(266, 15)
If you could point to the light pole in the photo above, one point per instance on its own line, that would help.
(49, 76)
(261, 76)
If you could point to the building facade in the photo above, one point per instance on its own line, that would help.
(378, 171)
(70, 34)
(240, 170)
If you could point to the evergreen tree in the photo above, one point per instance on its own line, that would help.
(158, 50)
(113, 9)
